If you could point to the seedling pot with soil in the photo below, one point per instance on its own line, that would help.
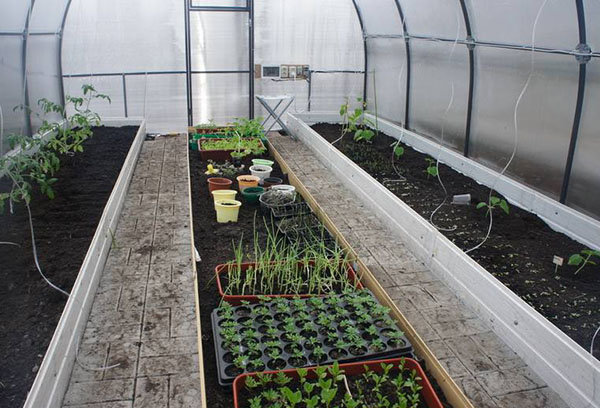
(227, 210)
(225, 154)
(223, 195)
(218, 183)
(272, 181)
(246, 181)
(261, 172)
(252, 194)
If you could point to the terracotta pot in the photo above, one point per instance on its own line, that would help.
(218, 183)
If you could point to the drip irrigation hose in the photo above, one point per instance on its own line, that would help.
(437, 161)
(593, 341)
(10, 243)
(516, 124)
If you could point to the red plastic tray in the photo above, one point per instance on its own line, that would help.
(353, 369)
(236, 299)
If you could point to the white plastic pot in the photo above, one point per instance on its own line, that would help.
(285, 188)
(262, 172)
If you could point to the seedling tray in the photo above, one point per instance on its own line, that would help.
(428, 395)
(237, 299)
(259, 323)
(218, 155)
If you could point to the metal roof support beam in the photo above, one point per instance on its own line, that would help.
(26, 110)
(471, 50)
(408, 64)
(364, 33)
(583, 60)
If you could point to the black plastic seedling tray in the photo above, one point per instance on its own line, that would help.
(248, 312)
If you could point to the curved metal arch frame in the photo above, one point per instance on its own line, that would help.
(408, 64)
(365, 48)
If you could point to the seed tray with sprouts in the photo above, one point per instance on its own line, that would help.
(281, 333)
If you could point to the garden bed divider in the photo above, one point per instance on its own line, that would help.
(52, 380)
(563, 364)
(453, 393)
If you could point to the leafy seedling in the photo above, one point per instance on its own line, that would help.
(431, 169)
(583, 259)
(493, 204)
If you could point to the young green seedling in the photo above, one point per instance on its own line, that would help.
(583, 259)
(431, 169)
(493, 203)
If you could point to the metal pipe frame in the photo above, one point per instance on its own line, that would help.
(579, 104)
(365, 49)
(250, 5)
(60, 52)
(408, 64)
(188, 63)
(26, 110)
(471, 50)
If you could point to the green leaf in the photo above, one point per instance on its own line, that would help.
(576, 260)
(432, 171)
(481, 205)
(398, 151)
(504, 206)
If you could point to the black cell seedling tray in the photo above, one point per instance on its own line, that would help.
(256, 322)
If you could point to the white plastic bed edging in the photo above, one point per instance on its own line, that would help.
(560, 217)
(564, 365)
(52, 380)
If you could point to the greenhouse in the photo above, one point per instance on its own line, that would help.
(329, 203)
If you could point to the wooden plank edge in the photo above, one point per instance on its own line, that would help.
(196, 292)
(452, 392)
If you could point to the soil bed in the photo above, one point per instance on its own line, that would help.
(215, 242)
(64, 228)
(521, 246)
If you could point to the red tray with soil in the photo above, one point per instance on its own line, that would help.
(237, 299)
(351, 371)
(220, 155)
(64, 228)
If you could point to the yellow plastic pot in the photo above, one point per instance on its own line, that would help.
(223, 195)
(247, 181)
(227, 210)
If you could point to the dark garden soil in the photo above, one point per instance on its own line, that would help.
(214, 242)
(520, 249)
(64, 228)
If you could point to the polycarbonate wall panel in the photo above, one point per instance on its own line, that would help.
(111, 86)
(592, 16)
(43, 74)
(297, 88)
(584, 187)
(380, 16)
(511, 21)
(329, 91)
(11, 85)
(387, 75)
(161, 99)
(439, 91)
(219, 41)
(124, 36)
(47, 16)
(220, 97)
(544, 117)
(13, 15)
(438, 18)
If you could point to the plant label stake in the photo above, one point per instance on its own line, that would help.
(558, 261)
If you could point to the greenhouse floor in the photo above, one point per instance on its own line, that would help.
(140, 346)
(487, 370)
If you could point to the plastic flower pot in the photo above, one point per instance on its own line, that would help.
(262, 172)
(223, 195)
(428, 395)
(227, 210)
(223, 269)
(286, 188)
(193, 145)
(263, 162)
(218, 183)
(252, 194)
(273, 199)
(247, 181)
(271, 181)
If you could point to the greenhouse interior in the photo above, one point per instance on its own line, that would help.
(322, 204)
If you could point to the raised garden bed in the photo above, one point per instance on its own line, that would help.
(399, 381)
(288, 333)
(64, 228)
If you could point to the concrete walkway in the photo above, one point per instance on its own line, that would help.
(140, 346)
(487, 370)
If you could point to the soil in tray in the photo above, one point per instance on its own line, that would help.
(521, 246)
(214, 242)
(64, 228)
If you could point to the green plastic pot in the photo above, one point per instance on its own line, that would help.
(252, 194)
(263, 162)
